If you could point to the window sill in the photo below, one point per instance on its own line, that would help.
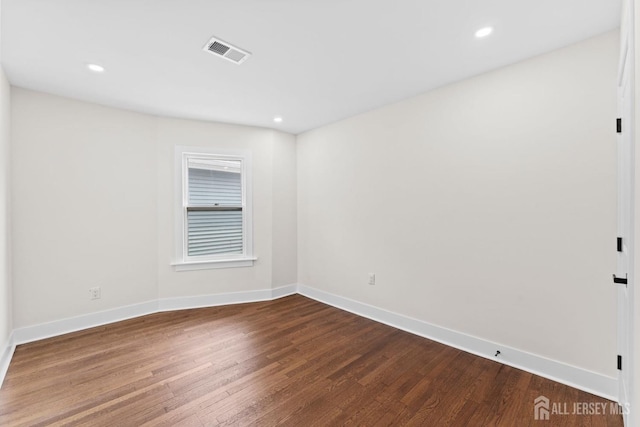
(211, 264)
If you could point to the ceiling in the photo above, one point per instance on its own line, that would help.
(313, 61)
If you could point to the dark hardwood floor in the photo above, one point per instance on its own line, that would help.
(293, 361)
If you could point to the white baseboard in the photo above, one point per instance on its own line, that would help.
(5, 358)
(582, 379)
(78, 323)
(182, 303)
(284, 291)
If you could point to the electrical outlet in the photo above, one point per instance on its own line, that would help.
(94, 293)
(372, 279)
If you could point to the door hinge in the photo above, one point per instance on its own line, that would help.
(620, 280)
(619, 125)
(619, 244)
(619, 363)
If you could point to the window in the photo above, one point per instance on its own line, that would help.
(213, 215)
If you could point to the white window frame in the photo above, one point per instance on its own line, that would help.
(184, 262)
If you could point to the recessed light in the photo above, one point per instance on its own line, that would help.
(95, 68)
(277, 119)
(483, 32)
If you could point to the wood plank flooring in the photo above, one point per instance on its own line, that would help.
(292, 361)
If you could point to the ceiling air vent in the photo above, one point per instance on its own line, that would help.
(226, 50)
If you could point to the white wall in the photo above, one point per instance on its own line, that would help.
(285, 242)
(93, 206)
(84, 207)
(486, 207)
(6, 323)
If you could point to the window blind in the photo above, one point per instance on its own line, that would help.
(214, 210)
(214, 188)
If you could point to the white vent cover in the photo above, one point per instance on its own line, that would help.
(226, 50)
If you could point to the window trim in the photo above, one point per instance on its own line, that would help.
(184, 262)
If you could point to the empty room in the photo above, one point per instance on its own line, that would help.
(358, 212)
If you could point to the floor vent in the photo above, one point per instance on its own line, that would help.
(226, 50)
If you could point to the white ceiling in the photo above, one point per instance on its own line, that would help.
(313, 62)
